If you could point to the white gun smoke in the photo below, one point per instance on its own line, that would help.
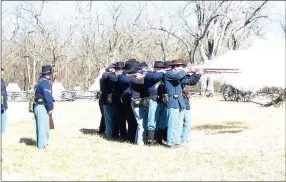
(262, 65)
(96, 86)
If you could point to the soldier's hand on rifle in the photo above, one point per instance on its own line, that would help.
(139, 75)
(162, 71)
(199, 71)
(112, 70)
(185, 69)
(118, 72)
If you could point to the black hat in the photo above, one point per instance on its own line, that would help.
(143, 65)
(159, 64)
(130, 67)
(137, 69)
(47, 69)
(131, 61)
(112, 65)
(168, 64)
(119, 64)
(177, 62)
(185, 63)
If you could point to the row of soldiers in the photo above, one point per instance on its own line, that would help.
(154, 103)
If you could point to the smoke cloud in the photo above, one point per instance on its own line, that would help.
(96, 86)
(262, 65)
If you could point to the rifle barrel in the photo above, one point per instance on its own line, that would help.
(225, 69)
(220, 70)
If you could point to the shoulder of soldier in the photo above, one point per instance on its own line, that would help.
(169, 72)
(150, 74)
(122, 75)
(44, 82)
(105, 75)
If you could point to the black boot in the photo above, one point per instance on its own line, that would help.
(160, 136)
(150, 137)
(102, 126)
(165, 134)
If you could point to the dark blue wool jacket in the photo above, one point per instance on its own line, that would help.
(43, 88)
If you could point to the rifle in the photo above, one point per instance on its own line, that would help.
(216, 70)
(51, 120)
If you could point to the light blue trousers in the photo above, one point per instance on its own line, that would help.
(3, 120)
(108, 116)
(42, 126)
(156, 115)
(140, 114)
(175, 124)
(186, 129)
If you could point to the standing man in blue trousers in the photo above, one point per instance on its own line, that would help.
(119, 121)
(174, 101)
(140, 112)
(124, 83)
(156, 107)
(192, 79)
(107, 101)
(4, 104)
(43, 106)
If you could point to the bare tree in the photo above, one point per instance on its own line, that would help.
(282, 23)
(79, 49)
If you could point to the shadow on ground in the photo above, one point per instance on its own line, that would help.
(89, 131)
(86, 131)
(226, 127)
(28, 141)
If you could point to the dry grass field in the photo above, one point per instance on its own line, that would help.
(229, 141)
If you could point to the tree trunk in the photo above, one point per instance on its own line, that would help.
(34, 67)
(28, 72)
(66, 75)
(89, 70)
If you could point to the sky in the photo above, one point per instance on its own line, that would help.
(155, 10)
(57, 10)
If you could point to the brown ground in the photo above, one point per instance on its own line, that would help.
(229, 141)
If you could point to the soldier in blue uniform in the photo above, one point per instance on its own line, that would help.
(107, 101)
(140, 111)
(43, 107)
(168, 67)
(175, 102)
(102, 120)
(124, 84)
(100, 103)
(119, 121)
(156, 107)
(4, 104)
(186, 125)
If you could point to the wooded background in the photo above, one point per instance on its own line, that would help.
(197, 31)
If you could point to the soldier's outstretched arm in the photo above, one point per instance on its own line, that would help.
(154, 76)
(124, 78)
(48, 96)
(171, 75)
(113, 77)
(191, 80)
